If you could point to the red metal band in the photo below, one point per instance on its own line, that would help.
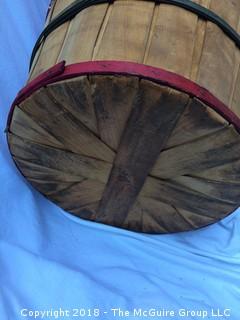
(61, 72)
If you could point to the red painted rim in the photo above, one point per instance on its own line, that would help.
(61, 72)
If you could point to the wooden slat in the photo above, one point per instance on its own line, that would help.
(235, 96)
(162, 35)
(50, 50)
(210, 151)
(216, 70)
(235, 105)
(161, 214)
(49, 187)
(59, 159)
(160, 217)
(227, 172)
(50, 47)
(228, 10)
(134, 218)
(23, 126)
(198, 47)
(220, 190)
(78, 196)
(126, 32)
(198, 42)
(39, 51)
(172, 40)
(181, 197)
(164, 218)
(204, 3)
(35, 171)
(196, 122)
(75, 96)
(85, 211)
(83, 34)
(59, 6)
(64, 126)
(155, 113)
(113, 99)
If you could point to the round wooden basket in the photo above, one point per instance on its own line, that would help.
(130, 115)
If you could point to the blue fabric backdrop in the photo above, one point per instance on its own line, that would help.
(50, 260)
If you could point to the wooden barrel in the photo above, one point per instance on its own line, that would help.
(131, 113)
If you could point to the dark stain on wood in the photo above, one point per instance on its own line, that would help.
(128, 153)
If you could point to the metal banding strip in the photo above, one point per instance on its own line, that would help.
(61, 72)
(79, 5)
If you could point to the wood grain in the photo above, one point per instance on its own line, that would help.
(210, 151)
(57, 159)
(130, 21)
(180, 196)
(172, 42)
(128, 152)
(197, 121)
(25, 127)
(113, 98)
(50, 114)
(148, 129)
(76, 97)
(168, 218)
(82, 35)
(162, 35)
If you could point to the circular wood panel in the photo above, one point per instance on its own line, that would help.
(128, 152)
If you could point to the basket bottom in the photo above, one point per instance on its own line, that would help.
(128, 152)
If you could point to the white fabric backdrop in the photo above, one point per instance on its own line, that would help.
(51, 260)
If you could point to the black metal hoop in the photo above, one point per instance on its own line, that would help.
(72, 10)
